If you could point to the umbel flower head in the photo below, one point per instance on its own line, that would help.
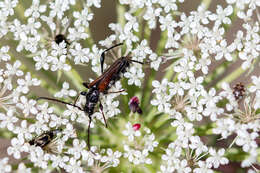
(194, 66)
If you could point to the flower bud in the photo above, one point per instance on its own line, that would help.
(134, 105)
(136, 126)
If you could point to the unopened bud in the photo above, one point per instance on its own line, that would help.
(136, 126)
(134, 105)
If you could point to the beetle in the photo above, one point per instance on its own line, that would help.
(45, 139)
(101, 85)
(60, 38)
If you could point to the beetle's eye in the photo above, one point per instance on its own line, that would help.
(31, 142)
(83, 93)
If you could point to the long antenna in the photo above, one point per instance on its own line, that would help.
(102, 58)
(136, 61)
(60, 101)
(119, 44)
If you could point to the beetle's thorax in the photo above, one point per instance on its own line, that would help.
(92, 99)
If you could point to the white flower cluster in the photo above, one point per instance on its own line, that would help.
(137, 148)
(177, 102)
(70, 162)
(65, 91)
(107, 158)
(244, 123)
(187, 98)
(56, 53)
(246, 129)
(186, 152)
(13, 88)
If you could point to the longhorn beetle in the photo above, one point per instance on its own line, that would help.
(101, 85)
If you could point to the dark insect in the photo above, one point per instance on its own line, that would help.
(101, 85)
(59, 38)
(239, 91)
(45, 139)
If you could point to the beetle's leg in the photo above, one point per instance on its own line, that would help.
(90, 119)
(76, 99)
(101, 109)
(60, 101)
(116, 91)
(89, 131)
(102, 58)
(81, 93)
